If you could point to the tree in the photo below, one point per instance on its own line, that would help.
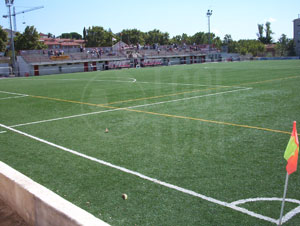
(3, 39)
(291, 48)
(233, 47)
(268, 33)
(227, 40)
(98, 36)
(84, 34)
(176, 40)
(281, 45)
(199, 38)
(51, 35)
(285, 46)
(185, 39)
(71, 35)
(260, 33)
(65, 35)
(253, 47)
(217, 42)
(28, 40)
(267, 39)
(156, 36)
(132, 36)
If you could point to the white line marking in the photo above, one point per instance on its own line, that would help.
(19, 94)
(134, 81)
(5, 98)
(3, 132)
(290, 214)
(183, 84)
(286, 217)
(242, 201)
(253, 214)
(156, 181)
(119, 109)
(67, 117)
(189, 98)
(89, 80)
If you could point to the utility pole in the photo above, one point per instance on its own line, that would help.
(9, 3)
(208, 14)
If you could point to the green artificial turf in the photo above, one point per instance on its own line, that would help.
(226, 143)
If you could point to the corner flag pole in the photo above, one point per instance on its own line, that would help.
(291, 155)
(283, 199)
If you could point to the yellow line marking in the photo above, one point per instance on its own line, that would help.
(165, 115)
(210, 121)
(177, 116)
(73, 101)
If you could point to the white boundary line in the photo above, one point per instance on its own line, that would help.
(134, 81)
(286, 217)
(290, 214)
(5, 98)
(19, 95)
(74, 79)
(3, 132)
(67, 117)
(189, 98)
(239, 202)
(156, 181)
(137, 106)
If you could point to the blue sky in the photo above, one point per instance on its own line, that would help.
(238, 18)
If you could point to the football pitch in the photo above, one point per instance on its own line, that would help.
(198, 144)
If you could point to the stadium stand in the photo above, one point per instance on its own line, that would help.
(121, 55)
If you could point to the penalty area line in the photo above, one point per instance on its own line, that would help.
(156, 181)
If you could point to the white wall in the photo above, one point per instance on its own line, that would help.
(5, 69)
(24, 68)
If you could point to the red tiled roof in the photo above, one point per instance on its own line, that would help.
(52, 43)
(79, 41)
(69, 44)
(64, 40)
(47, 39)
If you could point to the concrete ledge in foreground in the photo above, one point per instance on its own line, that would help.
(38, 205)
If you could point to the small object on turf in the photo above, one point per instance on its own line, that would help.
(124, 196)
(106, 130)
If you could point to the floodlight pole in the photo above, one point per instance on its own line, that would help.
(208, 14)
(9, 3)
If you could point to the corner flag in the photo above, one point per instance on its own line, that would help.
(291, 152)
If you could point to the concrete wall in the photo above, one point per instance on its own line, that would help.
(61, 68)
(24, 68)
(39, 206)
(5, 70)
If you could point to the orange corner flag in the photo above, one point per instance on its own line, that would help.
(291, 152)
